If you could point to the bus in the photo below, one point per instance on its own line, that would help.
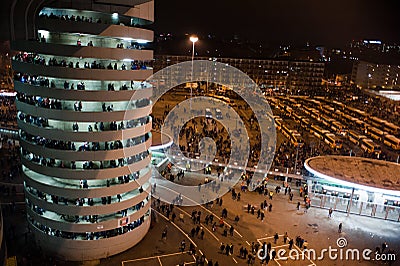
(315, 114)
(375, 133)
(391, 128)
(307, 110)
(318, 131)
(340, 105)
(377, 122)
(333, 141)
(337, 114)
(354, 137)
(350, 119)
(305, 123)
(369, 146)
(338, 128)
(315, 102)
(357, 112)
(272, 101)
(360, 124)
(297, 118)
(392, 141)
(286, 131)
(281, 106)
(278, 122)
(293, 102)
(326, 121)
(289, 111)
(327, 109)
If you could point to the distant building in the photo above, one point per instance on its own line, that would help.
(372, 75)
(267, 73)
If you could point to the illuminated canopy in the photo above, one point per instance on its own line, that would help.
(358, 172)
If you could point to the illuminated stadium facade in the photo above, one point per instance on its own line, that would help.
(355, 185)
(79, 72)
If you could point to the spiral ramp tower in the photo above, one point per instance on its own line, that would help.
(79, 74)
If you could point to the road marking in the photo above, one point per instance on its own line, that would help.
(183, 232)
(153, 257)
(294, 245)
(159, 261)
(216, 238)
(225, 222)
(234, 260)
(201, 206)
(281, 246)
(201, 252)
(247, 242)
(205, 227)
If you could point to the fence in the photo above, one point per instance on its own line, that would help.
(364, 208)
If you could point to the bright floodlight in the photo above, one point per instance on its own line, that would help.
(193, 39)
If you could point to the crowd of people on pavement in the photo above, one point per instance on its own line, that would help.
(8, 111)
(33, 58)
(219, 225)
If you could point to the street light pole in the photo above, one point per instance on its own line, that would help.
(193, 39)
(297, 156)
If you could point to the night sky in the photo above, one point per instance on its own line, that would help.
(327, 22)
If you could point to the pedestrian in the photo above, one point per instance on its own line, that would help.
(225, 231)
(340, 228)
(192, 249)
(231, 230)
(273, 254)
(270, 207)
(183, 245)
(305, 244)
(330, 213)
(164, 234)
(262, 216)
(276, 236)
(202, 234)
(384, 246)
(222, 247)
(298, 205)
(214, 227)
(285, 237)
(290, 244)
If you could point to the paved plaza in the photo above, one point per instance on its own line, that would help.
(314, 226)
